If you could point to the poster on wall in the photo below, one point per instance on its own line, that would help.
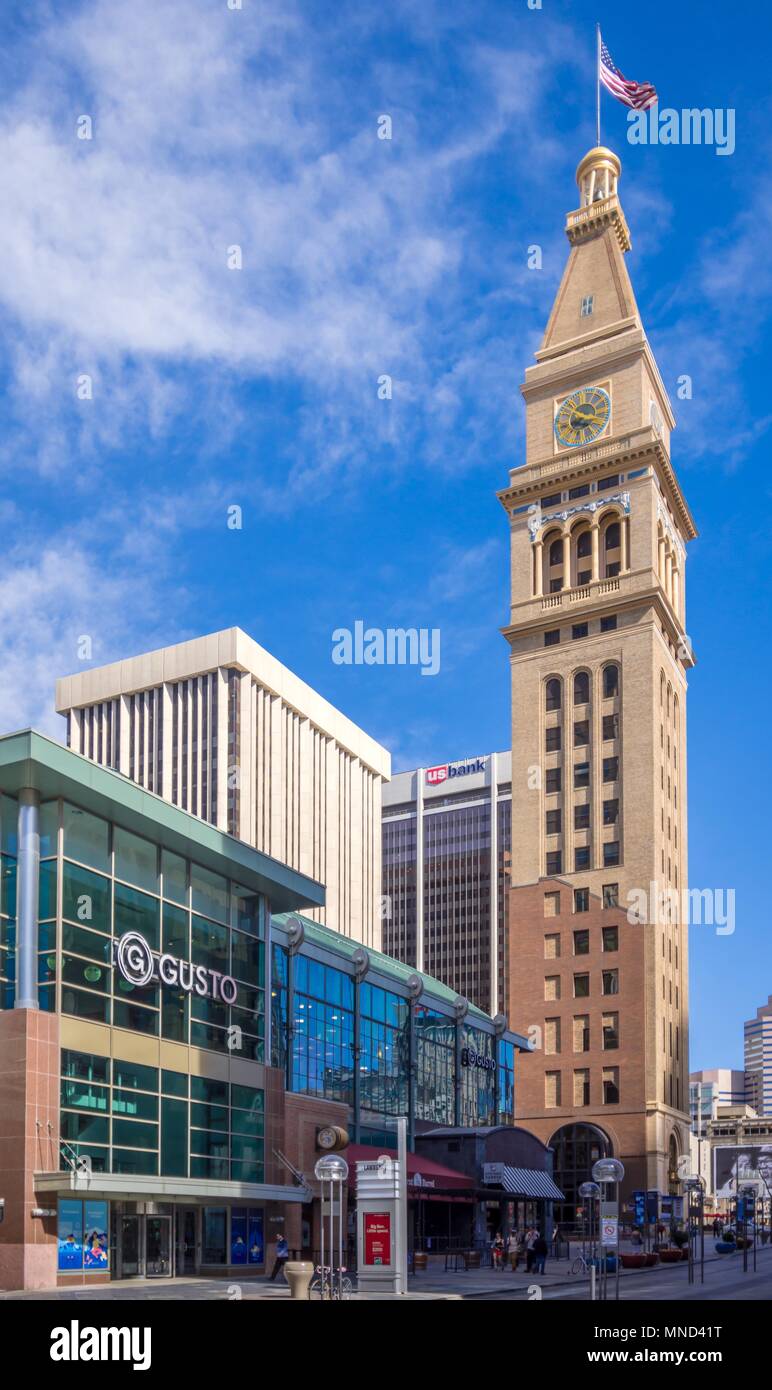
(256, 1242)
(377, 1226)
(238, 1237)
(734, 1165)
(70, 1234)
(96, 1243)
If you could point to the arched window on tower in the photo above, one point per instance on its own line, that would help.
(581, 688)
(610, 681)
(583, 567)
(554, 579)
(611, 544)
(553, 695)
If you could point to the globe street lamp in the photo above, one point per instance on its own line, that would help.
(332, 1169)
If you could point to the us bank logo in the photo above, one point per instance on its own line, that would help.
(444, 771)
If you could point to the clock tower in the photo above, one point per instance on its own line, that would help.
(596, 958)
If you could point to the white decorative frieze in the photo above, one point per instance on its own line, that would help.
(536, 521)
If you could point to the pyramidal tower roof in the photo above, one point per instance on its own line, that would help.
(599, 238)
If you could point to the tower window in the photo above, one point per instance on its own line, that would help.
(587, 305)
(579, 630)
(581, 688)
(553, 779)
(553, 695)
(581, 732)
(610, 681)
(582, 858)
(582, 817)
(552, 638)
(609, 624)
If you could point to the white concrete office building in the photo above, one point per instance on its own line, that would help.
(758, 1059)
(219, 727)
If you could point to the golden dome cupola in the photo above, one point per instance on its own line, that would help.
(597, 177)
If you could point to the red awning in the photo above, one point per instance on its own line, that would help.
(422, 1173)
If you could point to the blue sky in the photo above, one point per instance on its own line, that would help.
(256, 387)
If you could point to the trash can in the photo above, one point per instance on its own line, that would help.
(299, 1275)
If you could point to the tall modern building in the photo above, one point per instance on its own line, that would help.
(447, 838)
(599, 657)
(758, 1059)
(220, 728)
(718, 1086)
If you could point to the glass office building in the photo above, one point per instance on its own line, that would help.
(447, 842)
(362, 1029)
(166, 1017)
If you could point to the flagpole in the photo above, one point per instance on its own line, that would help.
(597, 83)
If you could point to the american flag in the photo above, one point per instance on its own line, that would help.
(639, 95)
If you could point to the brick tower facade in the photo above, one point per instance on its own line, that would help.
(599, 656)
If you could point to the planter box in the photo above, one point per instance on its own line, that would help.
(633, 1261)
(670, 1257)
(652, 1259)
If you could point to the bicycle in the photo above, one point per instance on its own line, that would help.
(581, 1265)
(330, 1283)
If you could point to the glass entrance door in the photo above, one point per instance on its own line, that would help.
(158, 1246)
(186, 1240)
(127, 1266)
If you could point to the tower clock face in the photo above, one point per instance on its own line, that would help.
(582, 416)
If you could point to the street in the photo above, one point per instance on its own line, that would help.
(724, 1280)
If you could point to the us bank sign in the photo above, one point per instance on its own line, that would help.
(445, 771)
(135, 961)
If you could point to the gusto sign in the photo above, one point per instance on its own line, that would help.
(137, 964)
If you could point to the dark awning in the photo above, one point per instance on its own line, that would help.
(529, 1182)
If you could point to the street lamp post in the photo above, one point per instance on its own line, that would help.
(695, 1222)
(609, 1172)
(332, 1171)
(590, 1193)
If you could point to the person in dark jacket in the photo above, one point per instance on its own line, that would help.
(539, 1253)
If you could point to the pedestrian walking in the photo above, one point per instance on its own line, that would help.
(531, 1236)
(282, 1255)
(539, 1253)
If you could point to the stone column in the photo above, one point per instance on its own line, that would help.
(623, 544)
(669, 576)
(595, 541)
(566, 560)
(29, 1126)
(28, 875)
(538, 552)
(661, 559)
